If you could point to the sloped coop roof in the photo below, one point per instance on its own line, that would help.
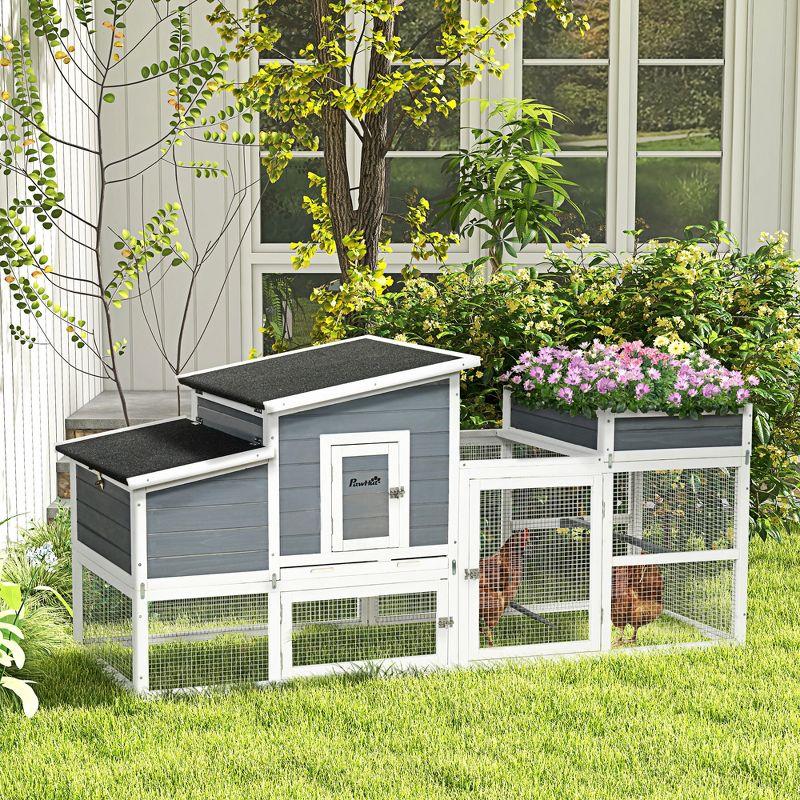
(316, 369)
(151, 448)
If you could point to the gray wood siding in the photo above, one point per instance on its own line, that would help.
(423, 410)
(565, 428)
(656, 433)
(209, 526)
(103, 518)
(230, 420)
(634, 433)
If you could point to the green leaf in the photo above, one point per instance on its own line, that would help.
(11, 595)
(109, 98)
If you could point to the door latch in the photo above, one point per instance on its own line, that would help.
(396, 492)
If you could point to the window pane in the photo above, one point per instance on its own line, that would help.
(581, 93)
(418, 26)
(589, 195)
(282, 216)
(544, 37)
(409, 179)
(438, 132)
(293, 19)
(680, 108)
(681, 28)
(672, 193)
(288, 313)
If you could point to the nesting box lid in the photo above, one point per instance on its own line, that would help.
(328, 372)
(165, 449)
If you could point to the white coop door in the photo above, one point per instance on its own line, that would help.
(396, 626)
(368, 492)
(533, 582)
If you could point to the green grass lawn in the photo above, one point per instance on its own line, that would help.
(722, 722)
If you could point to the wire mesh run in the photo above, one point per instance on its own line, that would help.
(108, 623)
(357, 629)
(674, 511)
(475, 446)
(534, 566)
(668, 604)
(208, 641)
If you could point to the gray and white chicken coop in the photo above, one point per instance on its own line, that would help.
(321, 510)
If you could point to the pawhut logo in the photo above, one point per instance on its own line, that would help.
(375, 480)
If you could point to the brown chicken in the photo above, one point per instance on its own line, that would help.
(637, 596)
(500, 577)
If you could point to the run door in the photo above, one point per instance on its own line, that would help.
(534, 566)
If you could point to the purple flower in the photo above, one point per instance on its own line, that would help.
(528, 386)
(537, 373)
(709, 390)
(674, 398)
(565, 393)
(605, 385)
(555, 377)
(641, 390)
(516, 379)
(753, 381)
(654, 373)
(742, 395)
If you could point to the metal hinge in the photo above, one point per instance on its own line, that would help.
(274, 581)
(197, 421)
(257, 441)
(396, 492)
(100, 483)
(610, 460)
(747, 457)
(472, 574)
(141, 590)
(446, 622)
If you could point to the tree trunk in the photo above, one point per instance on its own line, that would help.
(334, 144)
(372, 180)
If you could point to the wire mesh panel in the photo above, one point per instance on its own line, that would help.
(353, 629)
(477, 447)
(108, 623)
(535, 566)
(667, 604)
(674, 511)
(208, 641)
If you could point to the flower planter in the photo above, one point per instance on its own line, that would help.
(630, 431)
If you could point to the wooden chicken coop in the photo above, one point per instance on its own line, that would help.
(321, 510)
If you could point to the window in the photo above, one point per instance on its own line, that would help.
(644, 93)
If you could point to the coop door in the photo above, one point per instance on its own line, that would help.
(534, 566)
(369, 494)
(402, 625)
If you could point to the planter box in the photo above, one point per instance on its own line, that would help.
(631, 431)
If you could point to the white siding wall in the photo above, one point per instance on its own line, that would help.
(37, 389)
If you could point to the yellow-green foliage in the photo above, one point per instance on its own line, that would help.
(700, 293)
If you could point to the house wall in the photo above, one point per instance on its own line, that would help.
(209, 526)
(104, 518)
(763, 171)
(423, 410)
(40, 386)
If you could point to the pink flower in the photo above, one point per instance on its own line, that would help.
(565, 393)
(554, 377)
(642, 389)
(654, 373)
(605, 385)
(537, 373)
(692, 392)
(742, 395)
(753, 381)
(674, 398)
(585, 387)
(528, 386)
(709, 390)
(516, 379)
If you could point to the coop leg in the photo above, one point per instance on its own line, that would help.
(77, 600)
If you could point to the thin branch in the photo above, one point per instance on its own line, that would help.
(47, 133)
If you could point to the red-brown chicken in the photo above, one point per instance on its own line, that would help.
(637, 596)
(500, 577)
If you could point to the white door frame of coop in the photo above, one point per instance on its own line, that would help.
(531, 474)
(366, 590)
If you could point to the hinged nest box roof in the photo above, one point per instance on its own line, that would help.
(157, 452)
(327, 372)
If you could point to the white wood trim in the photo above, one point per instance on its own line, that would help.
(642, 460)
(77, 567)
(742, 534)
(607, 536)
(141, 639)
(453, 528)
(545, 442)
(684, 557)
(270, 439)
(201, 469)
(209, 585)
(372, 557)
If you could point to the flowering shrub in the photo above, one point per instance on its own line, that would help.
(701, 293)
(626, 377)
